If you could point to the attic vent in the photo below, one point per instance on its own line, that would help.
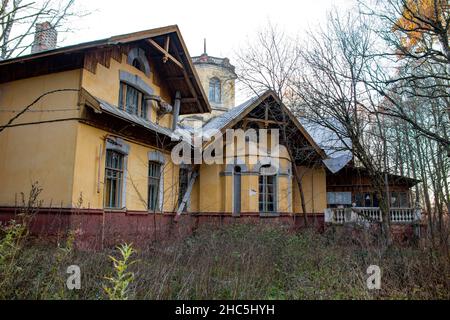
(45, 37)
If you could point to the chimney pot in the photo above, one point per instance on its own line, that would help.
(45, 37)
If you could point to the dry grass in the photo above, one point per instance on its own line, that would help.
(239, 261)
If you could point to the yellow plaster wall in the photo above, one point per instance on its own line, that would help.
(314, 189)
(195, 197)
(206, 72)
(284, 194)
(210, 196)
(88, 183)
(39, 152)
(214, 193)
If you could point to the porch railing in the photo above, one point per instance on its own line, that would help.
(362, 214)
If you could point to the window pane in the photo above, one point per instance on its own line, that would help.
(217, 91)
(394, 199)
(132, 100)
(211, 93)
(267, 193)
(113, 179)
(403, 200)
(154, 177)
(376, 202)
(359, 200)
(183, 184)
(108, 193)
(122, 88)
(137, 64)
(367, 200)
(214, 90)
(144, 108)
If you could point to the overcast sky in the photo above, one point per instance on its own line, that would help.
(225, 24)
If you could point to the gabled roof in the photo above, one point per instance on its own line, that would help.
(222, 121)
(228, 119)
(178, 67)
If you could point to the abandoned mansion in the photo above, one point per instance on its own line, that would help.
(94, 125)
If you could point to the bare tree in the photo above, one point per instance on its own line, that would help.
(332, 94)
(19, 17)
(414, 43)
(268, 62)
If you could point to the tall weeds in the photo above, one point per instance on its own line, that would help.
(240, 261)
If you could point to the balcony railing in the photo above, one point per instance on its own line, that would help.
(370, 215)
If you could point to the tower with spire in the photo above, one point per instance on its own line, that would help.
(218, 77)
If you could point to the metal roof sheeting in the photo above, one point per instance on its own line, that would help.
(337, 150)
(105, 106)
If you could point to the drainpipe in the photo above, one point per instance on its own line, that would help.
(176, 110)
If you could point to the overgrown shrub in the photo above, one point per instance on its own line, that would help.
(122, 278)
(240, 261)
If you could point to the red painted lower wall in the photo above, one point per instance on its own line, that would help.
(97, 229)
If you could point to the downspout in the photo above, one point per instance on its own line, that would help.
(176, 110)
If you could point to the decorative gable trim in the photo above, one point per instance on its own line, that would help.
(139, 53)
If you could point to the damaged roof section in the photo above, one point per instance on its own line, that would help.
(100, 106)
(338, 150)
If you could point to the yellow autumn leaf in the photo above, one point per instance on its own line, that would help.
(415, 15)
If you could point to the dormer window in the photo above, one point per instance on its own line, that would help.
(214, 90)
(133, 101)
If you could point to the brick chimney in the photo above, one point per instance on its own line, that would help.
(45, 37)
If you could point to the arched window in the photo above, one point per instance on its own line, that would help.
(138, 64)
(138, 59)
(214, 90)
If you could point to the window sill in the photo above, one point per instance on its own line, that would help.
(155, 212)
(269, 214)
(119, 210)
(137, 213)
